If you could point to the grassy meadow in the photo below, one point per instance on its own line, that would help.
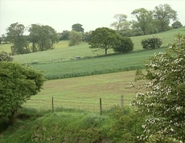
(94, 66)
(76, 99)
(108, 78)
(85, 92)
(63, 52)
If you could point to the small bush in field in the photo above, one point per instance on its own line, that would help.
(125, 45)
(151, 43)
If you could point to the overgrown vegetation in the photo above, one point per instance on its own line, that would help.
(75, 126)
(17, 85)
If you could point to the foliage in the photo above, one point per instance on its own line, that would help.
(104, 38)
(127, 127)
(162, 15)
(4, 56)
(144, 20)
(78, 27)
(125, 45)
(120, 23)
(151, 43)
(177, 24)
(4, 38)
(164, 103)
(69, 126)
(15, 35)
(126, 33)
(18, 85)
(42, 37)
(64, 35)
(75, 38)
(87, 36)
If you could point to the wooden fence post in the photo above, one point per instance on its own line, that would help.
(122, 104)
(52, 104)
(100, 106)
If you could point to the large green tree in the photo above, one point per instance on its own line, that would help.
(75, 38)
(78, 27)
(144, 20)
(164, 102)
(177, 24)
(43, 37)
(121, 22)
(87, 36)
(15, 34)
(64, 35)
(162, 15)
(18, 84)
(104, 38)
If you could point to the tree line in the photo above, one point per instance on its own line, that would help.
(147, 21)
(43, 37)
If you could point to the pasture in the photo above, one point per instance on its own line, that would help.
(107, 80)
(63, 52)
(94, 66)
(84, 92)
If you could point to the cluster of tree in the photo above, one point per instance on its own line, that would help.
(76, 35)
(147, 21)
(42, 38)
(106, 38)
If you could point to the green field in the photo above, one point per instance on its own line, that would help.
(63, 52)
(94, 66)
(85, 92)
(81, 92)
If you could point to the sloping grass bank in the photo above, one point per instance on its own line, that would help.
(68, 126)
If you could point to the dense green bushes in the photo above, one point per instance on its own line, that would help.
(125, 45)
(17, 85)
(151, 43)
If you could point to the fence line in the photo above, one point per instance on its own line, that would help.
(85, 104)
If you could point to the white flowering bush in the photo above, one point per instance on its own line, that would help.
(164, 102)
(151, 43)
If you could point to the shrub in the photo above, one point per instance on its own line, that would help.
(125, 45)
(151, 43)
(18, 84)
(164, 101)
(4, 56)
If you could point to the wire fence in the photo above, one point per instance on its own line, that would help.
(97, 105)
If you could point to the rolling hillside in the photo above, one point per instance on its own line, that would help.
(63, 52)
